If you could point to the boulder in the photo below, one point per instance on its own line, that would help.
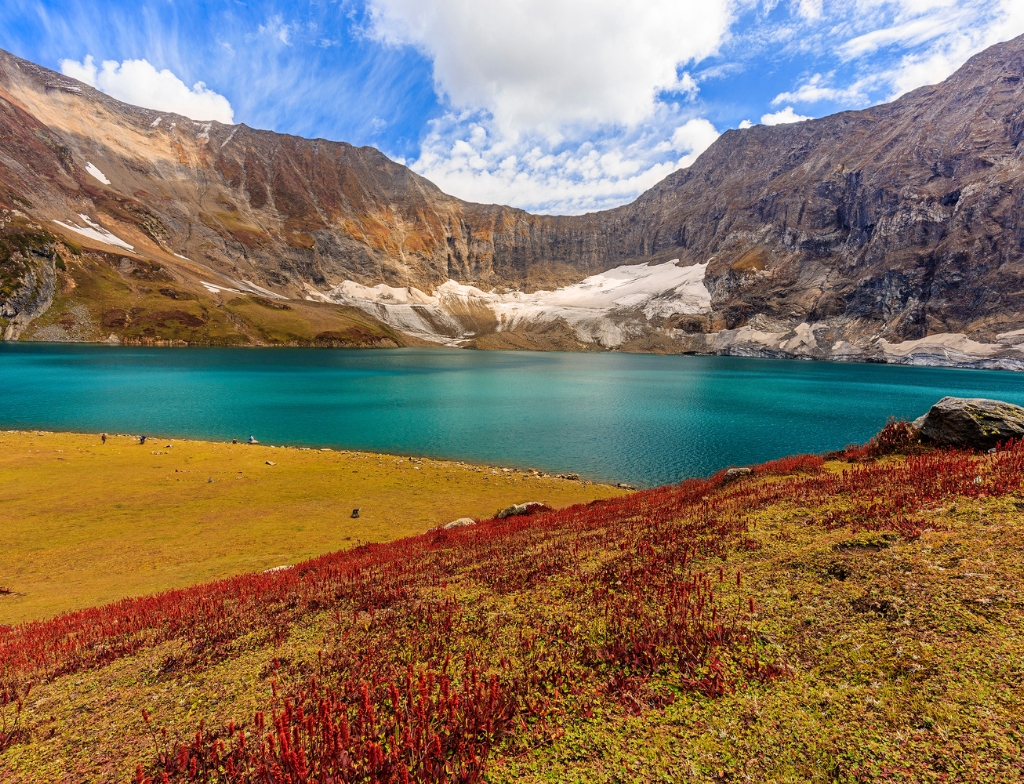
(460, 523)
(971, 422)
(532, 507)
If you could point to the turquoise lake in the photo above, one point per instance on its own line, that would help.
(632, 418)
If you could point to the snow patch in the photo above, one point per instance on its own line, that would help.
(248, 284)
(607, 308)
(230, 137)
(97, 174)
(179, 256)
(96, 232)
(213, 288)
(155, 122)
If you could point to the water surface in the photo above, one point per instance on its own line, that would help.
(621, 417)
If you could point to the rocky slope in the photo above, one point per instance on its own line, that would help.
(891, 234)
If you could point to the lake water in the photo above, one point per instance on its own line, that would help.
(634, 418)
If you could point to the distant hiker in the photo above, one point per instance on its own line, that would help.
(234, 440)
(253, 440)
(103, 438)
(142, 440)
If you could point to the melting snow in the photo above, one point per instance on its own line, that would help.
(155, 122)
(97, 173)
(214, 288)
(230, 137)
(186, 258)
(96, 232)
(598, 308)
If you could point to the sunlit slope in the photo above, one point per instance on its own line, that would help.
(87, 523)
(855, 619)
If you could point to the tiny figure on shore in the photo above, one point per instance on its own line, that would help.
(253, 440)
(103, 437)
(142, 440)
(234, 440)
(355, 513)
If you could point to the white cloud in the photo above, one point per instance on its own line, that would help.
(810, 9)
(463, 157)
(692, 139)
(543, 64)
(787, 115)
(745, 124)
(277, 29)
(137, 82)
(819, 88)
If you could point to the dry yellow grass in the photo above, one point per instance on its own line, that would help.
(85, 523)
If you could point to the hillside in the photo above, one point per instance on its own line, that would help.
(888, 234)
(847, 619)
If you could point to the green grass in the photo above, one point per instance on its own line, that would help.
(86, 523)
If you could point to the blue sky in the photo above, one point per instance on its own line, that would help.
(552, 105)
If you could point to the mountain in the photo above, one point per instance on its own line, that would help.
(889, 234)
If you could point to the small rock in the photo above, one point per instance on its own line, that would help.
(277, 569)
(570, 477)
(460, 523)
(971, 423)
(624, 486)
(355, 514)
(271, 462)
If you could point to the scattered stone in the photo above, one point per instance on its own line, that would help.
(532, 507)
(570, 477)
(624, 486)
(277, 569)
(271, 462)
(355, 513)
(460, 523)
(971, 423)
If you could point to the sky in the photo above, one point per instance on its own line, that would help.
(556, 106)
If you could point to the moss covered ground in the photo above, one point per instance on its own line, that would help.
(86, 523)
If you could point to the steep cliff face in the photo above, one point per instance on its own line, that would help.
(893, 233)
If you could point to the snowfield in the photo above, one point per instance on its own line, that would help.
(94, 231)
(608, 308)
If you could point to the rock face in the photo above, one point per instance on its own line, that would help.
(972, 423)
(892, 234)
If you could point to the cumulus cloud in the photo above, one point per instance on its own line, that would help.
(137, 82)
(542, 64)
(692, 139)
(464, 158)
(787, 115)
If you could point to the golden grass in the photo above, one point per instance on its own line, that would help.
(85, 524)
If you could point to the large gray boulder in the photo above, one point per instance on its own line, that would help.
(971, 422)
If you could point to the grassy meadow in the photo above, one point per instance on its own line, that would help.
(86, 523)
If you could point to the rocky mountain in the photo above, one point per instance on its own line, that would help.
(889, 234)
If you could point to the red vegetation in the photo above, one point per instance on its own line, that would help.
(443, 646)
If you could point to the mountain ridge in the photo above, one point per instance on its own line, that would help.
(891, 233)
